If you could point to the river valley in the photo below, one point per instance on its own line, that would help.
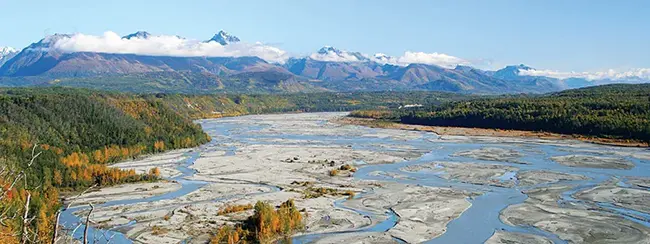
(409, 186)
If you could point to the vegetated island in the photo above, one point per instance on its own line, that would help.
(611, 114)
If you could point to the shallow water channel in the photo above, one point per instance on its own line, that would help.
(475, 225)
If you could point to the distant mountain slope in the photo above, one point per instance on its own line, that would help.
(51, 63)
(334, 71)
(224, 38)
(329, 69)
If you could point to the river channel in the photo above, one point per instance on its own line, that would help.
(475, 225)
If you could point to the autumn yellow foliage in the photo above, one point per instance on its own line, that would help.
(265, 226)
(235, 208)
(158, 231)
(229, 234)
(159, 146)
(270, 223)
(155, 172)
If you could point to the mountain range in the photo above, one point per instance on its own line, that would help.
(329, 69)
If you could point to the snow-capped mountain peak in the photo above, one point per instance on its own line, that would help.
(524, 67)
(383, 58)
(54, 38)
(138, 35)
(332, 54)
(6, 51)
(329, 49)
(44, 44)
(512, 71)
(224, 38)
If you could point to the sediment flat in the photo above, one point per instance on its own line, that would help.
(577, 224)
(636, 199)
(125, 191)
(424, 212)
(587, 161)
(166, 162)
(504, 237)
(474, 173)
(492, 154)
(536, 177)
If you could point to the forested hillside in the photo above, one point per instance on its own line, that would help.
(611, 111)
(73, 135)
(221, 105)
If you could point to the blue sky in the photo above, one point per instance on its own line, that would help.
(559, 35)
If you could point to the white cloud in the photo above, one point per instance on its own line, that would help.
(163, 45)
(331, 54)
(384, 59)
(439, 59)
(643, 73)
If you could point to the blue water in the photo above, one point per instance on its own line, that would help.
(475, 225)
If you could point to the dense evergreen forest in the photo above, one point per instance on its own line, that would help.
(62, 140)
(612, 111)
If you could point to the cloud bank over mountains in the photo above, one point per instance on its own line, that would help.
(162, 45)
(440, 59)
(611, 74)
(166, 45)
(224, 45)
(330, 54)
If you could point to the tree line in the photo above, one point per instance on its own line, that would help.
(611, 111)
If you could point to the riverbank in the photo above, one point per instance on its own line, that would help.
(463, 131)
